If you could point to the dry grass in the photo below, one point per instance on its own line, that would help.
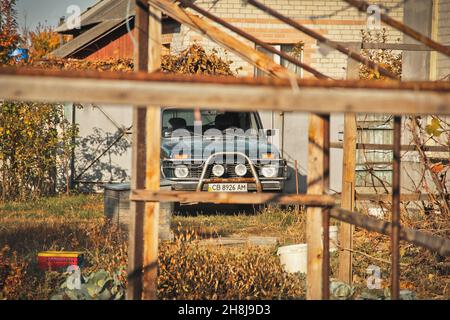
(287, 225)
(421, 271)
(62, 223)
(189, 271)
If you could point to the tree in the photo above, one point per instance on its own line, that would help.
(42, 42)
(35, 138)
(9, 36)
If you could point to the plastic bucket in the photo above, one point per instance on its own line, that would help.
(293, 258)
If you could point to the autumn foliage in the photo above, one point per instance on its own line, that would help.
(9, 36)
(42, 42)
(33, 140)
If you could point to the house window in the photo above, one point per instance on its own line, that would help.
(289, 49)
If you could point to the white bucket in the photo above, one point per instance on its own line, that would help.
(294, 258)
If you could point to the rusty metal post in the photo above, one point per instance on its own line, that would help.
(362, 6)
(323, 39)
(326, 211)
(395, 231)
(253, 39)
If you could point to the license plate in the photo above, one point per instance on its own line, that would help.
(227, 187)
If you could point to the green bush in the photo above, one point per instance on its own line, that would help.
(35, 139)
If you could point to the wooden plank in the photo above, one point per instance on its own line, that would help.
(137, 209)
(235, 197)
(266, 197)
(373, 146)
(246, 52)
(231, 97)
(436, 86)
(348, 196)
(315, 181)
(152, 172)
(435, 36)
(422, 239)
(345, 273)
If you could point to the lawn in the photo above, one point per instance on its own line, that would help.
(188, 270)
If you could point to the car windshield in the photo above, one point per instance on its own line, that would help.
(173, 119)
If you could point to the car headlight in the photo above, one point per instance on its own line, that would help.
(218, 170)
(181, 171)
(240, 170)
(269, 171)
(268, 155)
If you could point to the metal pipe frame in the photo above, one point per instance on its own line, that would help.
(322, 39)
(395, 231)
(253, 39)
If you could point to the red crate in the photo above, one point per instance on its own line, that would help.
(59, 259)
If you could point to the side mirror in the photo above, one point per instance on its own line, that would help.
(270, 132)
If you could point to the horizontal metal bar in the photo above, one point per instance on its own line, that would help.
(372, 146)
(363, 6)
(434, 243)
(253, 39)
(388, 46)
(320, 37)
(403, 197)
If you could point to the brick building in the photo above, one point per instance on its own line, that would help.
(107, 31)
(105, 34)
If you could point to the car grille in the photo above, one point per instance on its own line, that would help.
(196, 171)
(229, 172)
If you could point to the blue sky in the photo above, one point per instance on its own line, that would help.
(46, 11)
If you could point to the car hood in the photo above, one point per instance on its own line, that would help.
(202, 147)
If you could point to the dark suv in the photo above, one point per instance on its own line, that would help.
(218, 151)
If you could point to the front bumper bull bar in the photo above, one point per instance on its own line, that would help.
(255, 178)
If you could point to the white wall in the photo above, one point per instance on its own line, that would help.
(97, 132)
